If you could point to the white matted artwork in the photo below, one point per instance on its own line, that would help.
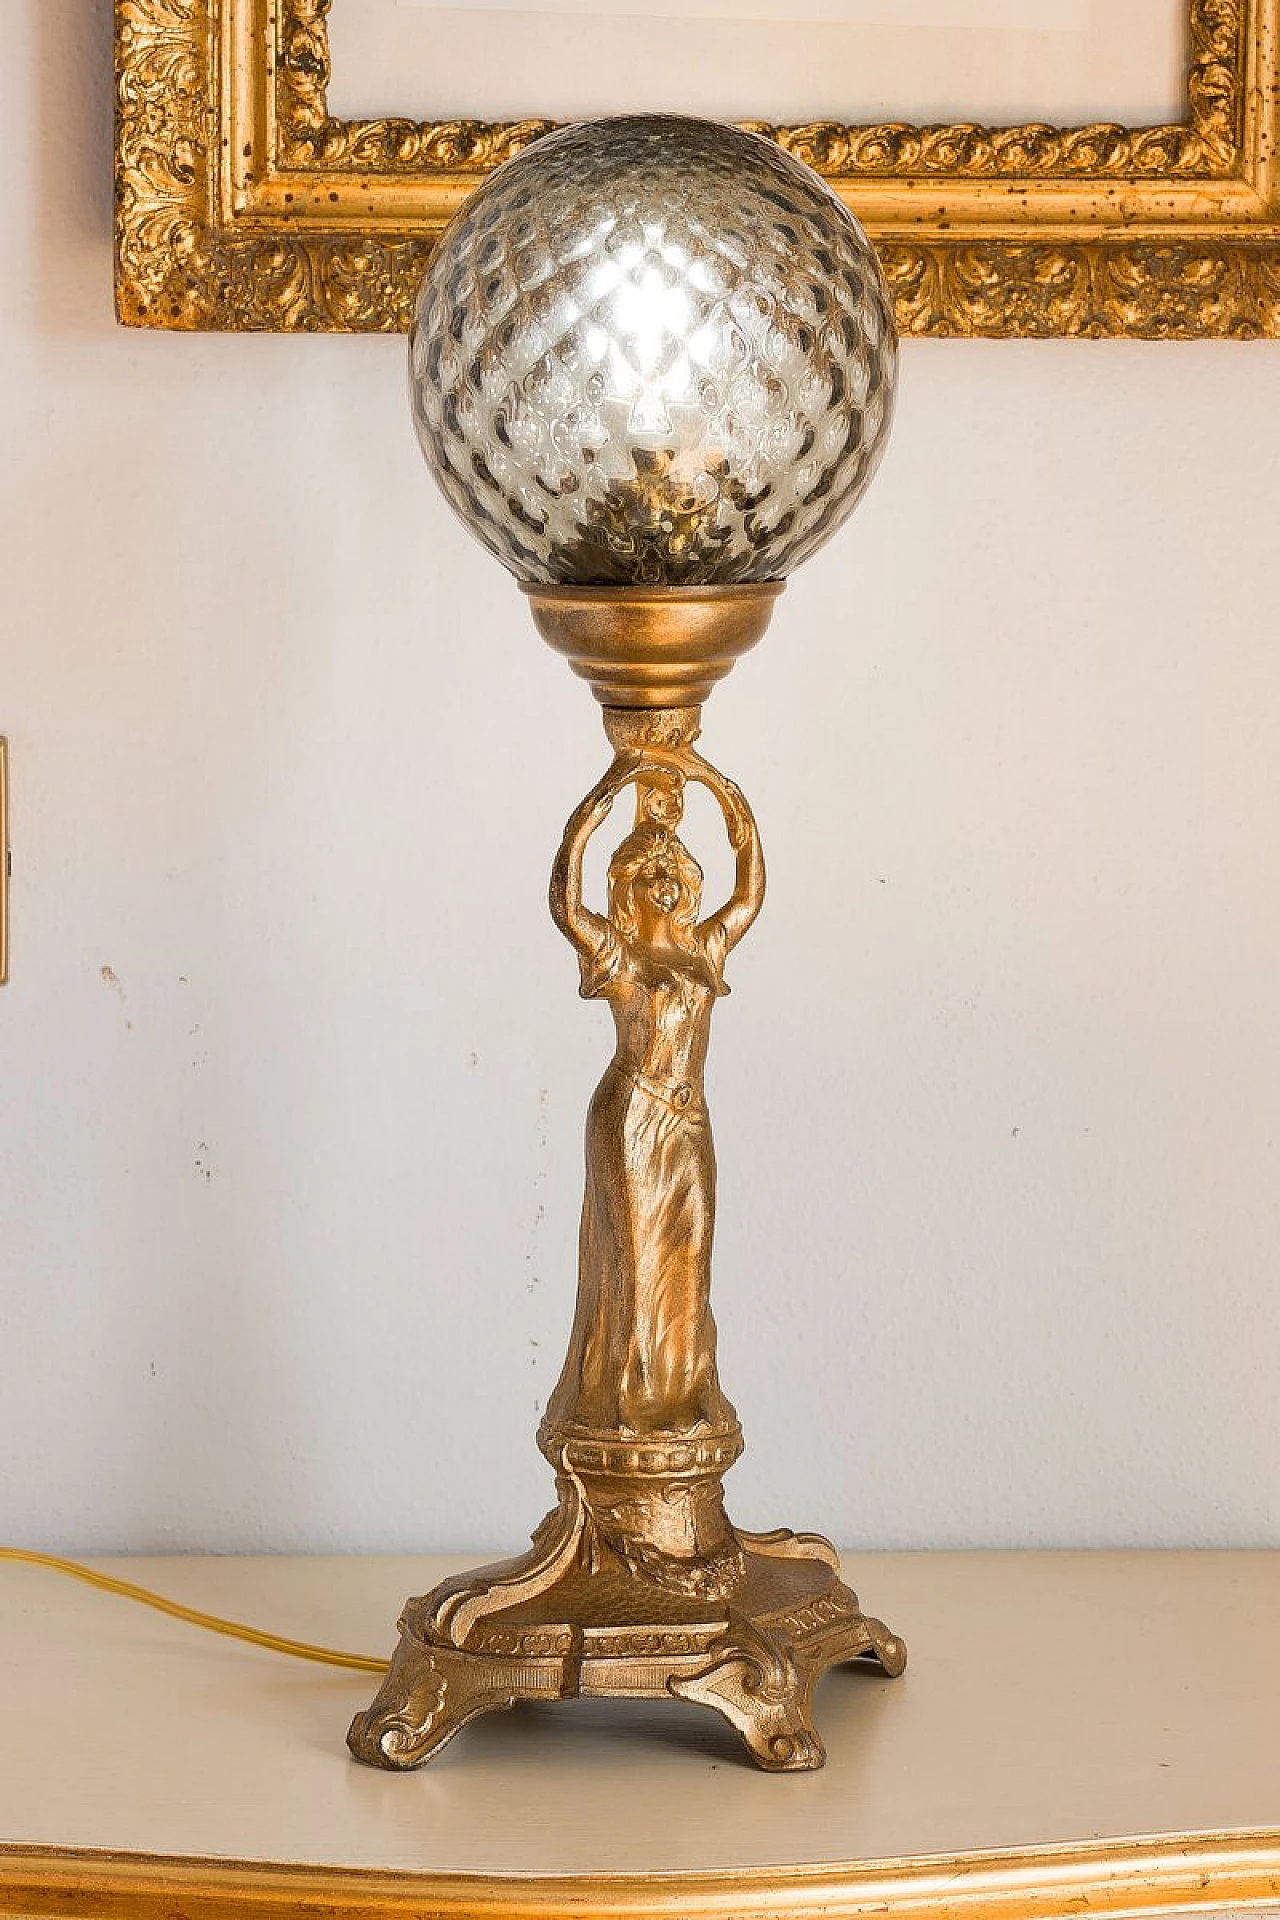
(1065, 62)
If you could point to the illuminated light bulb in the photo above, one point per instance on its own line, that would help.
(653, 350)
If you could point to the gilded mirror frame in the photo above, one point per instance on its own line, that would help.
(242, 204)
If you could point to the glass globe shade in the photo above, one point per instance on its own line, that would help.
(653, 350)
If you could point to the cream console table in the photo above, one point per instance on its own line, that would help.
(1077, 1734)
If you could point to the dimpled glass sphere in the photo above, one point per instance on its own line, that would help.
(653, 350)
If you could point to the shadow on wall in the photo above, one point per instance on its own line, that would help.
(71, 212)
(128, 707)
(192, 661)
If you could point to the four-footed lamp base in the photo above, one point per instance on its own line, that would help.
(745, 1630)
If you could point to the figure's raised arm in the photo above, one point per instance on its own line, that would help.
(744, 903)
(584, 929)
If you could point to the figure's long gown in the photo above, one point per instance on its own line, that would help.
(642, 1353)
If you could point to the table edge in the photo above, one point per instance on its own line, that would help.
(1161, 1873)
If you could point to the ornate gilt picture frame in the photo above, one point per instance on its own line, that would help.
(243, 204)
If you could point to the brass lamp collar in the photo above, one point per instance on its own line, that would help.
(652, 646)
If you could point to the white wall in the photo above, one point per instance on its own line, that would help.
(288, 1196)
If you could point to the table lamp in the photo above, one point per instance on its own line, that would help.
(652, 367)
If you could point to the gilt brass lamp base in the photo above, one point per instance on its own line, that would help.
(637, 1585)
(572, 1619)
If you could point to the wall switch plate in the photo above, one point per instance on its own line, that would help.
(6, 860)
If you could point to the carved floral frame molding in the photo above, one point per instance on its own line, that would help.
(243, 204)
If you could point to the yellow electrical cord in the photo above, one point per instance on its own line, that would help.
(326, 1656)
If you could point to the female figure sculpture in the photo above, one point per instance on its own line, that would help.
(637, 1582)
(642, 1354)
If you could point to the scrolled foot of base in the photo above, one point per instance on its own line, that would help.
(886, 1647)
(427, 1695)
(757, 1687)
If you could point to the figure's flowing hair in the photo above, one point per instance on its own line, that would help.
(629, 861)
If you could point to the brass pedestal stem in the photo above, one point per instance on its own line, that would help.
(637, 1583)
